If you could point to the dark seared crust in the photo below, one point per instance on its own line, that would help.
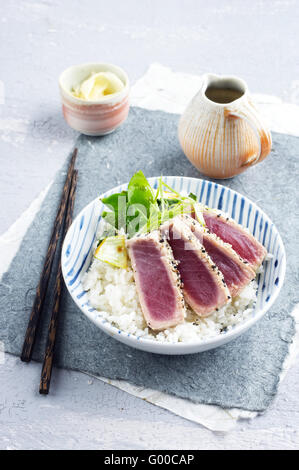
(171, 264)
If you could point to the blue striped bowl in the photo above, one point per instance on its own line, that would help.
(77, 256)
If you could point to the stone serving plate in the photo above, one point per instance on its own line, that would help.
(77, 254)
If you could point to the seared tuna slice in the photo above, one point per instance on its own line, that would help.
(157, 280)
(204, 287)
(237, 274)
(248, 247)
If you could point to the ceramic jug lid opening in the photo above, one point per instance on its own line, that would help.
(224, 90)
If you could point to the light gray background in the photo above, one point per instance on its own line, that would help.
(257, 40)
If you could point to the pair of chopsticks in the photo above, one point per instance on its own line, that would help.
(64, 214)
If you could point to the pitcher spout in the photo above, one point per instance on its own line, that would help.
(208, 79)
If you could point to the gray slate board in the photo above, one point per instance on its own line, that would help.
(243, 373)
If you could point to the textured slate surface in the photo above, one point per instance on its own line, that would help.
(243, 373)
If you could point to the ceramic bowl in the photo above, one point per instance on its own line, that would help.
(93, 117)
(77, 256)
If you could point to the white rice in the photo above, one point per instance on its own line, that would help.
(112, 291)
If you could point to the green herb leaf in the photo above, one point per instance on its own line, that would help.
(192, 196)
(113, 199)
(140, 209)
(117, 204)
(140, 191)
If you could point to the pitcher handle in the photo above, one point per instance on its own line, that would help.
(247, 111)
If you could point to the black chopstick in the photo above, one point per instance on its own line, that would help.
(45, 275)
(53, 326)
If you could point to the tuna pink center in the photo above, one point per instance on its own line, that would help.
(157, 289)
(241, 243)
(198, 280)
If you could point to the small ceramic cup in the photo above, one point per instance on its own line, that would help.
(93, 117)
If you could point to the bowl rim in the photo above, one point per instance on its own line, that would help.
(179, 347)
(115, 97)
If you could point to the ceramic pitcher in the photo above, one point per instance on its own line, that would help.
(222, 136)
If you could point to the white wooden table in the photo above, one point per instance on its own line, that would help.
(38, 39)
